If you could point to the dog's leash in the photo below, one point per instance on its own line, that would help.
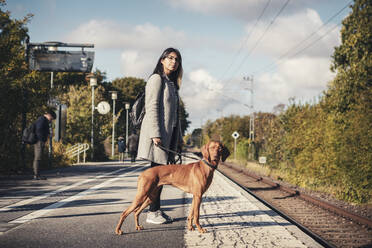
(180, 154)
(177, 153)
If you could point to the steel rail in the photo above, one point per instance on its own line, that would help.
(288, 218)
(337, 210)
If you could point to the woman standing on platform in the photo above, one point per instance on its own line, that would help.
(161, 123)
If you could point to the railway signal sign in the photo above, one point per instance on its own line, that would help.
(262, 160)
(235, 135)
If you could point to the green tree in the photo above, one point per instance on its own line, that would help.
(196, 137)
(13, 34)
(185, 123)
(348, 101)
(128, 89)
(352, 60)
(78, 126)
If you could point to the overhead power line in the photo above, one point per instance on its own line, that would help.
(227, 96)
(289, 51)
(261, 37)
(246, 39)
(311, 44)
(267, 28)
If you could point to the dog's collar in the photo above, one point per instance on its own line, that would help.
(209, 164)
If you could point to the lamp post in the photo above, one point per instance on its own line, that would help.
(251, 119)
(127, 106)
(114, 96)
(50, 149)
(93, 83)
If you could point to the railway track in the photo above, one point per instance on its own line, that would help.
(330, 225)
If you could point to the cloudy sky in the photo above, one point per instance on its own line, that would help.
(285, 46)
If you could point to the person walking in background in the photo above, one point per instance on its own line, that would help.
(121, 148)
(161, 123)
(42, 134)
(133, 145)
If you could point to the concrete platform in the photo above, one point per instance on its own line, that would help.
(234, 218)
(95, 198)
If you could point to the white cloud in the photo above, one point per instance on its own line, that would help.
(200, 92)
(247, 10)
(205, 98)
(306, 72)
(112, 35)
(100, 33)
(139, 46)
(133, 64)
(287, 33)
(241, 9)
(302, 78)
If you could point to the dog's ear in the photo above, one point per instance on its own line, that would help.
(205, 151)
(224, 153)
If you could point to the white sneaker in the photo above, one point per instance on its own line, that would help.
(155, 218)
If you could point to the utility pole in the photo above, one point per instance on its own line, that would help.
(251, 119)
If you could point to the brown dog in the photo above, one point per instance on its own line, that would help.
(193, 178)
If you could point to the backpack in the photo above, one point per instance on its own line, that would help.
(137, 112)
(29, 135)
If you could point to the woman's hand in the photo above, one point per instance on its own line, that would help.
(157, 141)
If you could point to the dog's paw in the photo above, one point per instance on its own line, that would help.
(202, 230)
(119, 232)
(139, 228)
(191, 228)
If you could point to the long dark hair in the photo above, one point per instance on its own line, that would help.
(175, 76)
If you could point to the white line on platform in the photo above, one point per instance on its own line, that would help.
(45, 195)
(36, 198)
(56, 205)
